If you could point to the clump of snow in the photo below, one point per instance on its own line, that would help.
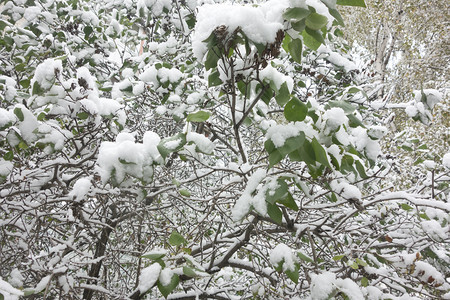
(9, 91)
(346, 190)
(377, 131)
(253, 21)
(155, 6)
(148, 277)
(28, 125)
(201, 141)
(46, 73)
(427, 273)
(81, 188)
(446, 160)
(434, 230)
(323, 285)
(337, 59)
(283, 254)
(5, 167)
(8, 291)
(165, 277)
(16, 278)
(162, 75)
(432, 97)
(246, 201)
(429, 164)
(335, 117)
(280, 133)
(124, 156)
(272, 74)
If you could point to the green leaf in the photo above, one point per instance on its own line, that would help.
(335, 13)
(312, 38)
(23, 145)
(295, 49)
(293, 275)
(18, 112)
(280, 192)
(283, 94)
(25, 83)
(189, 272)
(83, 115)
(269, 146)
(354, 121)
(212, 58)
(37, 89)
(295, 110)
(275, 157)
(172, 144)
(316, 21)
(361, 262)
(87, 31)
(296, 13)
(346, 106)
(289, 202)
(353, 265)
(167, 289)
(361, 170)
(320, 153)
(214, 79)
(338, 257)
(154, 256)
(293, 143)
(406, 207)
(304, 257)
(274, 213)
(364, 282)
(200, 116)
(176, 239)
(8, 156)
(184, 193)
(351, 3)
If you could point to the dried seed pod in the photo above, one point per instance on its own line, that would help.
(221, 32)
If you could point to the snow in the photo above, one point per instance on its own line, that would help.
(323, 285)
(124, 156)
(278, 134)
(42, 284)
(8, 291)
(31, 13)
(429, 164)
(202, 142)
(246, 201)
(433, 97)
(28, 125)
(336, 58)
(434, 230)
(446, 160)
(256, 22)
(155, 6)
(165, 277)
(148, 277)
(155, 76)
(45, 73)
(5, 167)
(80, 188)
(346, 190)
(283, 254)
(272, 74)
(427, 273)
(16, 278)
(335, 117)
